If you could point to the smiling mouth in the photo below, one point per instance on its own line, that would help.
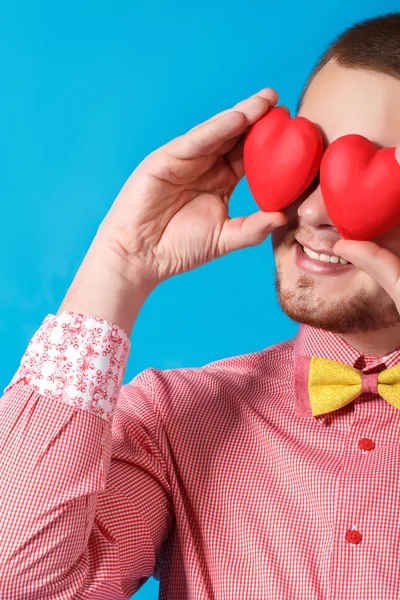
(324, 258)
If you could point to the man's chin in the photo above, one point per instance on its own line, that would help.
(351, 313)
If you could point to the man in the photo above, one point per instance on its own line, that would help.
(220, 480)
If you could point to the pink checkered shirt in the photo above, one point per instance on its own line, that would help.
(210, 479)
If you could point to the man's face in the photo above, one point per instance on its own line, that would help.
(346, 300)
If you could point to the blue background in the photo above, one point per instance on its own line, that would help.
(88, 89)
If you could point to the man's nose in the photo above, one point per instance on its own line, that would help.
(313, 210)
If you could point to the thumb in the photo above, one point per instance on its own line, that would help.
(397, 154)
(242, 232)
(378, 262)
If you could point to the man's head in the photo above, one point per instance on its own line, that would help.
(354, 88)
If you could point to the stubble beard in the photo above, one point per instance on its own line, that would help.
(353, 313)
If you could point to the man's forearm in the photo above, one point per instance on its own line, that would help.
(104, 287)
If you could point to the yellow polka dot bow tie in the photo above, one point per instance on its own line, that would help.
(326, 385)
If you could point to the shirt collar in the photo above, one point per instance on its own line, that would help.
(311, 341)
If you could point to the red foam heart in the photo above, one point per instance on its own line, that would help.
(281, 158)
(360, 185)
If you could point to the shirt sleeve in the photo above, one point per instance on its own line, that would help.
(85, 496)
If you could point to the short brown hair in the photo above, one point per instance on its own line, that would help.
(373, 44)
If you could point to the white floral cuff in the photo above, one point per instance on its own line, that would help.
(77, 359)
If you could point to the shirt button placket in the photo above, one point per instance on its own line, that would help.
(354, 537)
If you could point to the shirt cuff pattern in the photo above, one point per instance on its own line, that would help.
(77, 359)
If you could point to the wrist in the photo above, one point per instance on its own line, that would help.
(107, 287)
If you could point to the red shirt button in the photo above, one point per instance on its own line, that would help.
(366, 444)
(353, 537)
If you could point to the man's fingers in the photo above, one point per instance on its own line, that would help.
(229, 144)
(235, 158)
(211, 135)
(242, 232)
(208, 138)
(268, 94)
(381, 264)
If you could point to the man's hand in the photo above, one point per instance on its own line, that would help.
(171, 215)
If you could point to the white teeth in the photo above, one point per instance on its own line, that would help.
(324, 257)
